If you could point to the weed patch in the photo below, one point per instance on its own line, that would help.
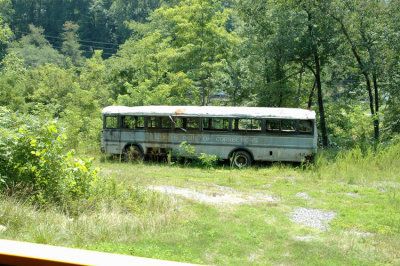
(124, 213)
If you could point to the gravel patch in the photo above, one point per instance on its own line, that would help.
(305, 238)
(360, 233)
(351, 194)
(313, 218)
(215, 198)
(224, 188)
(106, 171)
(303, 195)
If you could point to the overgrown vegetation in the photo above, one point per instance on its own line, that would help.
(61, 64)
(35, 167)
(32, 157)
(338, 58)
(187, 154)
(352, 184)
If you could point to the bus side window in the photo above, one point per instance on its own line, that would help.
(187, 123)
(128, 122)
(192, 123)
(249, 125)
(139, 121)
(166, 123)
(207, 123)
(153, 122)
(111, 122)
(305, 126)
(217, 124)
(273, 126)
(179, 123)
(288, 126)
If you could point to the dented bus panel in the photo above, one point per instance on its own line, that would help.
(242, 133)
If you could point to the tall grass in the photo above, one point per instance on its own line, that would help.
(47, 226)
(359, 165)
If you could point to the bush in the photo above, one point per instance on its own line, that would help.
(32, 157)
(208, 160)
(186, 151)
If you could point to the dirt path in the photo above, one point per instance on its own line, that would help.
(223, 195)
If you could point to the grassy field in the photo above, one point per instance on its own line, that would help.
(232, 217)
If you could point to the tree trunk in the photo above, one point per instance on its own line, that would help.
(366, 76)
(299, 88)
(320, 100)
(310, 98)
(375, 82)
(317, 74)
(376, 118)
(203, 91)
(278, 81)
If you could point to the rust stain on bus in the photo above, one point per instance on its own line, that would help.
(180, 111)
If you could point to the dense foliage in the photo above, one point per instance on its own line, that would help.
(32, 157)
(340, 58)
(61, 62)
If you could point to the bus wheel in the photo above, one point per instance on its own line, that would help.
(132, 154)
(241, 159)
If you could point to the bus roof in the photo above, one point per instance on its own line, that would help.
(211, 111)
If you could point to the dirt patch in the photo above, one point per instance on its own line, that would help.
(224, 196)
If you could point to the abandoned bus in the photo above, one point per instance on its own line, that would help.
(242, 134)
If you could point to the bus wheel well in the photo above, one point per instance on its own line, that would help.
(128, 145)
(132, 152)
(232, 153)
(241, 158)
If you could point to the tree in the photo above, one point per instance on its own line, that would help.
(267, 33)
(70, 46)
(35, 49)
(319, 40)
(172, 58)
(123, 11)
(362, 24)
(392, 70)
(288, 36)
(5, 35)
(12, 83)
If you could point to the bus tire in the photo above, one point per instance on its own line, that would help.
(132, 153)
(241, 159)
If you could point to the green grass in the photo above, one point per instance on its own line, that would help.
(362, 188)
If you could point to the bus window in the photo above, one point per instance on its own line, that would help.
(111, 122)
(128, 122)
(288, 126)
(248, 125)
(187, 123)
(139, 121)
(220, 124)
(206, 123)
(153, 122)
(179, 122)
(166, 123)
(305, 126)
(273, 126)
(192, 123)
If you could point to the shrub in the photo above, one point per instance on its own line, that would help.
(186, 151)
(208, 160)
(32, 156)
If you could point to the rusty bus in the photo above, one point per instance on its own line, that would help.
(242, 134)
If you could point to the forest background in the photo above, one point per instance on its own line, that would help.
(62, 61)
(69, 59)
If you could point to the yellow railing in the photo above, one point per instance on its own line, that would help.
(22, 253)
